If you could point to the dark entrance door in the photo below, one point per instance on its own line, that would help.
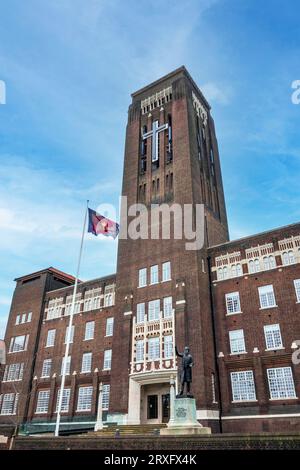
(152, 411)
(165, 407)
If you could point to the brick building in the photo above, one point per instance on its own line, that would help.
(235, 303)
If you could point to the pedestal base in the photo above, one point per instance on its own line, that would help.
(183, 419)
(184, 430)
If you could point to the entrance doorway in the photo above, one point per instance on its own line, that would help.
(155, 403)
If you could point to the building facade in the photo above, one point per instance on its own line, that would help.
(235, 303)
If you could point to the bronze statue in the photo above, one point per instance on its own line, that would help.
(186, 371)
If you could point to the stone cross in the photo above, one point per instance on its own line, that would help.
(156, 129)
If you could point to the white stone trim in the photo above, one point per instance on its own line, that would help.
(179, 302)
(286, 415)
(208, 414)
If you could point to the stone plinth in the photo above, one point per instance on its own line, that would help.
(183, 420)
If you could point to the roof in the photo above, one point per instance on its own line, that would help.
(57, 272)
(238, 240)
(179, 71)
(84, 283)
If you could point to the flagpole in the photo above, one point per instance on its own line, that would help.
(63, 378)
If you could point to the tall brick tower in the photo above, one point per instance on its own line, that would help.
(171, 157)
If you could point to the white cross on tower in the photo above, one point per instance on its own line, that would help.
(156, 129)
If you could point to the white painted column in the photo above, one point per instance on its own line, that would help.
(99, 422)
(172, 400)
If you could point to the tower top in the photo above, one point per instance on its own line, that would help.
(167, 80)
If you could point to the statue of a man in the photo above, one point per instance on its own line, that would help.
(186, 370)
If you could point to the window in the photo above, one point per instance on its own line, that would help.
(72, 334)
(84, 402)
(18, 319)
(46, 369)
(55, 308)
(273, 336)
(233, 303)
(297, 289)
(50, 338)
(13, 372)
(154, 274)
(107, 359)
(153, 348)
(140, 313)
(153, 309)
(65, 400)
(105, 396)
(167, 307)
(243, 387)
(288, 257)
(139, 350)
(68, 365)
(89, 330)
(108, 300)
(281, 383)
(269, 262)
(166, 271)
(222, 273)
(237, 341)
(236, 270)
(92, 299)
(109, 326)
(18, 343)
(23, 318)
(29, 317)
(43, 401)
(86, 364)
(9, 403)
(266, 296)
(143, 277)
(254, 266)
(168, 346)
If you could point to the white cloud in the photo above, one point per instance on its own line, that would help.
(215, 93)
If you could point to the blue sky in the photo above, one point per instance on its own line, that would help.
(69, 67)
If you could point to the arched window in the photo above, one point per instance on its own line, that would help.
(239, 270)
(266, 262)
(257, 265)
(291, 257)
(272, 262)
(233, 270)
(251, 266)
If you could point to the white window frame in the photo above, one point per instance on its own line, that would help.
(297, 289)
(153, 310)
(154, 348)
(237, 342)
(86, 363)
(266, 297)
(243, 386)
(65, 400)
(89, 330)
(166, 271)
(107, 359)
(68, 365)
(139, 350)
(42, 403)
(50, 340)
(273, 337)
(17, 345)
(233, 303)
(109, 328)
(46, 368)
(140, 312)
(105, 396)
(281, 376)
(168, 346)
(168, 307)
(72, 334)
(154, 277)
(8, 404)
(84, 400)
(13, 372)
(142, 277)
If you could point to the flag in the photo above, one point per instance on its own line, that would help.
(100, 224)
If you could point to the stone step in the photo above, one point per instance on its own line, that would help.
(130, 429)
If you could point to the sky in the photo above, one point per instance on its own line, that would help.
(69, 67)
